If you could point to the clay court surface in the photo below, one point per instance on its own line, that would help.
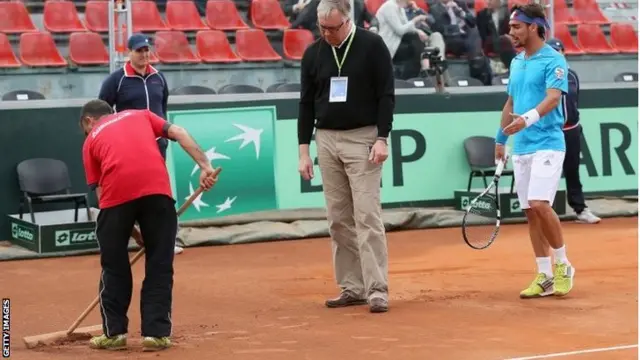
(265, 301)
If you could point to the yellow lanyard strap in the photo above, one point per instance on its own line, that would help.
(335, 56)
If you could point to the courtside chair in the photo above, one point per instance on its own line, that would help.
(43, 181)
(480, 152)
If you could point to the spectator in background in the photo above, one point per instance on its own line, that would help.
(406, 38)
(138, 85)
(493, 27)
(572, 137)
(458, 26)
(306, 16)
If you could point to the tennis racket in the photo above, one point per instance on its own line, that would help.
(481, 221)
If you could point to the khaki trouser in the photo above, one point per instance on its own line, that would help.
(351, 185)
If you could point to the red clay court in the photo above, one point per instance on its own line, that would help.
(265, 301)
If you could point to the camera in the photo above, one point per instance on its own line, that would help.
(434, 65)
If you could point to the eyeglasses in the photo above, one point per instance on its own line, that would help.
(332, 29)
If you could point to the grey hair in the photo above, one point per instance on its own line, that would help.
(326, 6)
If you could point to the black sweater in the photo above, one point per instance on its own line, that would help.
(370, 88)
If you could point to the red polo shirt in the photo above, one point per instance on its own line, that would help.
(121, 156)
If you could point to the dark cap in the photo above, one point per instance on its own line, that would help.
(556, 44)
(137, 41)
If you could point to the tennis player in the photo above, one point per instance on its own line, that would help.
(534, 115)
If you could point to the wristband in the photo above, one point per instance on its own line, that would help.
(501, 138)
(531, 117)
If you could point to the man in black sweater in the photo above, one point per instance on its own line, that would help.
(347, 93)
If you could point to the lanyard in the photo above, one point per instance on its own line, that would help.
(340, 63)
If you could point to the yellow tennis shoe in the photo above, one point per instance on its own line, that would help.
(103, 342)
(541, 286)
(563, 279)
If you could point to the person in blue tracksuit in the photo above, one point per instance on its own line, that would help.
(572, 137)
(138, 86)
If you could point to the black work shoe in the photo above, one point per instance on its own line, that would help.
(378, 305)
(345, 299)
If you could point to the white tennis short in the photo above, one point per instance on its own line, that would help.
(537, 176)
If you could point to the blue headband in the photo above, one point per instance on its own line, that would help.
(520, 16)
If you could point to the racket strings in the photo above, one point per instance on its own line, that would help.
(480, 223)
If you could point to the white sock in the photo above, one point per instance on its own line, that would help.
(544, 265)
(561, 255)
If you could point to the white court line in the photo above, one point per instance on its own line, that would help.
(578, 352)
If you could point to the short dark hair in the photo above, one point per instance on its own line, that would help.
(95, 109)
(533, 10)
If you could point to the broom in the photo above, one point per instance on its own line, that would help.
(73, 333)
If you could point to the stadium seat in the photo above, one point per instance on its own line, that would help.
(46, 181)
(212, 46)
(96, 15)
(253, 45)
(8, 58)
(373, 6)
(192, 90)
(239, 89)
(145, 17)
(268, 15)
(588, 12)
(172, 47)
(480, 152)
(512, 3)
(295, 42)
(153, 58)
(183, 15)
(223, 15)
(420, 82)
(624, 38)
(562, 14)
(38, 49)
(14, 18)
(22, 95)
(402, 84)
(423, 5)
(592, 40)
(479, 5)
(288, 87)
(87, 48)
(570, 46)
(61, 16)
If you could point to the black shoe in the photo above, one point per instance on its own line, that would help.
(378, 305)
(345, 299)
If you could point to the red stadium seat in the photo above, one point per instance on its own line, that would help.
(421, 4)
(253, 45)
(479, 5)
(588, 12)
(213, 47)
(183, 15)
(87, 48)
(172, 47)
(562, 14)
(14, 18)
(624, 38)
(96, 15)
(373, 6)
(592, 40)
(153, 58)
(295, 42)
(268, 15)
(145, 17)
(8, 58)
(570, 46)
(223, 15)
(61, 16)
(38, 49)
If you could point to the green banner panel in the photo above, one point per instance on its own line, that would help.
(241, 141)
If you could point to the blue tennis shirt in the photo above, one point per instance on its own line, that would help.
(529, 80)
